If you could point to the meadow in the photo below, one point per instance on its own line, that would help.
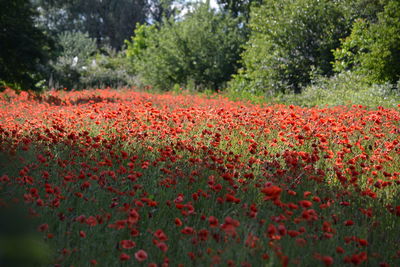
(124, 178)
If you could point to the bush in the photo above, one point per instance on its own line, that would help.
(346, 88)
(107, 69)
(73, 58)
(82, 65)
(201, 51)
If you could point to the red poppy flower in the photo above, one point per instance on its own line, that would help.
(82, 234)
(271, 192)
(328, 261)
(141, 255)
(349, 223)
(124, 257)
(43, 227)
(178, 222)
(162, 246)
(160, 235)
(127, 244)
(213, 221)
(187, 230)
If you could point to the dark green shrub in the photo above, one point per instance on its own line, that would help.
(107, 69)
(345, 88)
(24, 48)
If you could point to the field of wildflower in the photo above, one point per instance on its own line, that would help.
(124, 178)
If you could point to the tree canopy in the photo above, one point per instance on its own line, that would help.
(290, 39)
(200, 50)
(108, 21)
(373, 47)
(24, 48)
(238, 7)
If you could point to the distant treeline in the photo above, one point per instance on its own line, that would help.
(257, 47)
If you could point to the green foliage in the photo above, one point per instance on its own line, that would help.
(200, 51)
(238, 7)
(373, 49)
(108, 21)
(107, 69)
(81, 65)
(24, 48)
(76, 49)
(161, 9)
(346, 88)
(77, 44)
(139, 41)
(361, 9)
(290, 39)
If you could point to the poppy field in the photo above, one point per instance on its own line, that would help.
(124, 178)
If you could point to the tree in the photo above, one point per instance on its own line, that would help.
(24, 48)
(373, 47)
(108, 21)
(290, 39)
(238, 7)
(200, 51)
(361, 9)
(163, 9)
